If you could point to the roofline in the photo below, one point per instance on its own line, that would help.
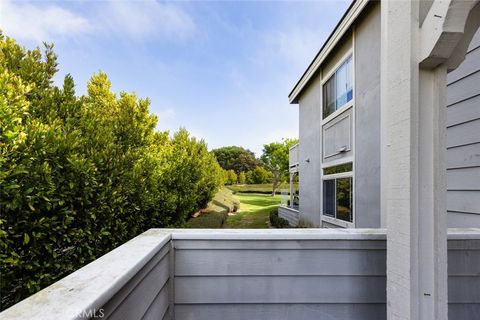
(353, 11)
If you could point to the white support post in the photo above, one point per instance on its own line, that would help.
(398, 146)
(292, 189)
(413, 171)
(432, 253)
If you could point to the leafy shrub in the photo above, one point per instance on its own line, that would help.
(276, 221)
(81, 175)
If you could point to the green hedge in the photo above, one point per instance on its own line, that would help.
(81, 175)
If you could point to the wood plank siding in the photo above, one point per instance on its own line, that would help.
(280, 279)
(463, 140)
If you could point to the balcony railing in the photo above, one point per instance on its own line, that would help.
(246, 274)
(293, 157)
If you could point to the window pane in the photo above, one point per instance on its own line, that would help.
(329, 97)
(344, 199)
(349, 79)
(338, 90)
(341, 85)
(329, 197)
(344, 83)
(346, 167)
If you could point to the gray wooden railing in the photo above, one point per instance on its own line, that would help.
(293, 156)
(247, 274)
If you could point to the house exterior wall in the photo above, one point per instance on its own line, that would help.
(367, 120)
(366, 124)
(463, 132)
(463, 140)
(309, 148)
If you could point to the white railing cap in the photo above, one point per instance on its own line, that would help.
(93, 285)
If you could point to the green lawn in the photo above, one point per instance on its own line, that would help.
(254, 211)
(216, 213)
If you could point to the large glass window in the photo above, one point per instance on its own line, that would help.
(338, 89)
(338, 193)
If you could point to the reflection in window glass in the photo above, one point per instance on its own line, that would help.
(337, 198)
(346, 167)
(338, 90)
(344, 199)
(329, 97)
(329, 197)
(341, 85)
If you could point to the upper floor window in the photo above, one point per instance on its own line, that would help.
(338, 89)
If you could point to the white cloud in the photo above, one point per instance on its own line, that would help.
(39, 22)
(148, 18)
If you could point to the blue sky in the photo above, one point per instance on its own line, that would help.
(223, 70)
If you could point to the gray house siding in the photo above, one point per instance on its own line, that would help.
(463, 140)
(309, 149)
(363, 124)
(367, 120)
(463, 279)
(462, 120)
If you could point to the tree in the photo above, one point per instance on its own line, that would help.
(275, 159)
(81, 175)
(242, 178)
(259, 175)
(235, 158)
(230, 177)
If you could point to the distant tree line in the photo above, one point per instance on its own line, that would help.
(81, 175)
(240, 166)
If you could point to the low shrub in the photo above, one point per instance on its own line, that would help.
(216, 213)
(276, 221)
(208, 220)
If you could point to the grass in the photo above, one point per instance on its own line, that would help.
(215, 215)
(254, 211)
(259, 188)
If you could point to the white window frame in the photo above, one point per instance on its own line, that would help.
(348, 174)
(327, 77)
(349, 105)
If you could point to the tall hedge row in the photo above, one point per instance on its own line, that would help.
(81, 175)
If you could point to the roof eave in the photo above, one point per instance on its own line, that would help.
(356, 7)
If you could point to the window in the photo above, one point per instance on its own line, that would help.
(338, 192)
(338, 90)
